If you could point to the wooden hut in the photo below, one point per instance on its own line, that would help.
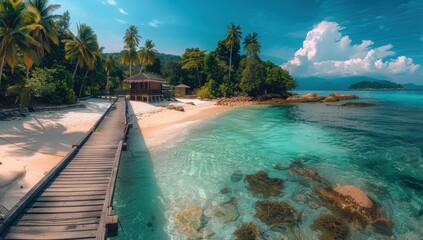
(182, 90)
(145, 87)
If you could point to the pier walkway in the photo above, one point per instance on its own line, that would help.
(73, 201)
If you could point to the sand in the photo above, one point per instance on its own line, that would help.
(32, 146)
(159, 125)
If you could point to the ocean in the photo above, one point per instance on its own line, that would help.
(378, 149)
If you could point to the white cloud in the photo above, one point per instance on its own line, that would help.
(121, 21)
(154, 23)
(326, 52)
(111, 2)
(122, 11)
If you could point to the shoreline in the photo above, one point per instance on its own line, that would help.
(158, 124)
(32, 146)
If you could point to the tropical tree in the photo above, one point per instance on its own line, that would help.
(110, 65)
(252, 45)
(42, 15)
(129, 57)
(131, 38)
(147, 54)
(193, 58)
(15, 29)
(83, 47)
(232, 37)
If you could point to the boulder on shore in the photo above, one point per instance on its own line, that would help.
(343, 96)
(310, 97)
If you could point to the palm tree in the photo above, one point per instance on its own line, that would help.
(129, 57)
(110, 65)
(83, 47)
(147, 54)
(232, 37)
(15, 29)
(43, 15)
(252, 45)
(131, 38)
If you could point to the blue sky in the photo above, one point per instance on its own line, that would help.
(326, 38)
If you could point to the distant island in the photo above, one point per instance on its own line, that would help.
(379, 85)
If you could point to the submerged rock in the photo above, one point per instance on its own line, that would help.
(236, 176)
(189, 222)
(352, 104)
(227, 212)
(248, 231)
(225, 190)
(354, 204)
(299, 168)
(276, 213)
(331, 227)
(261, 183)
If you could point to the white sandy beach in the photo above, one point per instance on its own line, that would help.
(33, 145)
(159, 124)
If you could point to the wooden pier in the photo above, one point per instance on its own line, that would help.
(74, 200)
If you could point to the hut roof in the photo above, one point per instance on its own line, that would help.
(182, 86)
(144, 77)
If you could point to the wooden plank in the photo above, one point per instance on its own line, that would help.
(64, 194)
(70, 198)
(64, 228)
(55, 216)
(78, 185)
(57, 222)
(82, 188)
(89, 182)
(53, 235)
(62, 209)
(67, 203)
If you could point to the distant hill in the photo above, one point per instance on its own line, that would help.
(315, 83)
(412, 86)
(375, 85)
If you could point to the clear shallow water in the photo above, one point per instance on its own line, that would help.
(378, 149)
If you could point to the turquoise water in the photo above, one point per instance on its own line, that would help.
(378, 149)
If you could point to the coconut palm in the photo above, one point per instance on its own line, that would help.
(129, 57)
(15, 29)
(252, 45)
(232, 37)
(110, 65)
(147, 54)
(131, 38)
(42, 15)
(83, 47)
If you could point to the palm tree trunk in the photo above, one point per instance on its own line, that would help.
(1, 69)
(74, 71)
(230, 62)
(82, 84)
(198, 77)
(107, 83)
(130, 69)
(27, 73)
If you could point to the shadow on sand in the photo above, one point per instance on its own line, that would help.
(138, 200)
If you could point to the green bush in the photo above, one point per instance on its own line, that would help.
(209, 90)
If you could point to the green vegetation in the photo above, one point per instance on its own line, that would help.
(376, 85)
(42, 60)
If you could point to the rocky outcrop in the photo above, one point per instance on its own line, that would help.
(248, 231)
(299, 168)
(236, 176)
(261, 183)
(234, 101)
(331, 227)
(310, 97)
(343, 96)
(276, 213)
(357, 207)
(189, 222)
